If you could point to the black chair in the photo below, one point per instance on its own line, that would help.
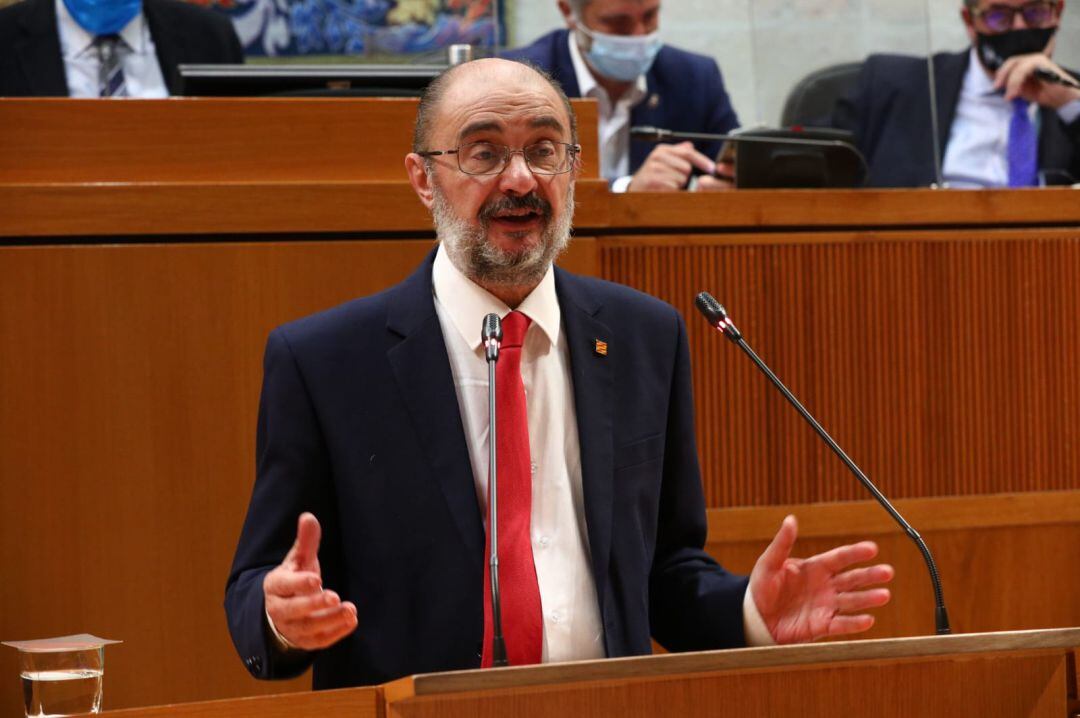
(811, 101)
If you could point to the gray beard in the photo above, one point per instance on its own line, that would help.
(486, 264)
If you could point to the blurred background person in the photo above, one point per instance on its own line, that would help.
(611, 50)
(1000, 123)
(108, 48)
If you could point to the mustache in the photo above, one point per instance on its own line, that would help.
(531, 201)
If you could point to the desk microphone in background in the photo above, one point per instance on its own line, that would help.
(717, 316)
(1055, 78)
(779, 158)
(491, 335)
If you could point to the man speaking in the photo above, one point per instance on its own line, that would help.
(363, 550)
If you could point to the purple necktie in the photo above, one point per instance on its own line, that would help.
(1023, 148)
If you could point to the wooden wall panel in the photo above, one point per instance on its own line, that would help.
(129, 383)
(1007, 561)
(235, 211)
(209, 140)
(943, 362)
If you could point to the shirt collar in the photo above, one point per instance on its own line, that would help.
(468, 303)
(587, 82)
(76, 40)
(977, 81)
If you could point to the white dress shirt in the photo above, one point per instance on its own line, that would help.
(560, 544)
(614, 119)
(572, 626)
(976, 153)
(142, 73)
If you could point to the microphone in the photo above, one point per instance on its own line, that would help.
(717, 316)
(838, 160)
(491, 334)
(1056, 78)
(658, 134)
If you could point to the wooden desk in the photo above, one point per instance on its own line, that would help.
(978, 676)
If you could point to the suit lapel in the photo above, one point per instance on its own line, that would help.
(563, 66)
(422, 371)
(38, 50)
(949, 71)
(168, 44)
(1056, 151)
(650, 111)
(593, 398)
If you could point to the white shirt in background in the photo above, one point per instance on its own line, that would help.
(614, 127)
(142, 73)
(976, 153)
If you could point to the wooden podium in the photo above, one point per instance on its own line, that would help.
(1007, 674)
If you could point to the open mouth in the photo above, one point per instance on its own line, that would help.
(521, 216)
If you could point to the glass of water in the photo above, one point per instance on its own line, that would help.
(61, 676)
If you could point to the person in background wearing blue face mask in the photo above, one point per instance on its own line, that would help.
(107, 48)
(611, 51)
(1003, 121)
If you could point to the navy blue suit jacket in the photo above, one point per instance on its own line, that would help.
(31, 64)
(359, 423)
(686, 91)
(889, 112)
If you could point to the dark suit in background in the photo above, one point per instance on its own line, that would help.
(359, 423)
(889, 112)
(31, 64)
(685, 91)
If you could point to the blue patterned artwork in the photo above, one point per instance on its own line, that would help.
(387, 30)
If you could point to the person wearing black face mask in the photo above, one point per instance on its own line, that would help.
(1003, 119)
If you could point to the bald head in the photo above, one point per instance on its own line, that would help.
(459, 85)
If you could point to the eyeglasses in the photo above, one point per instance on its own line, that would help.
(487, 158)
(999, 18)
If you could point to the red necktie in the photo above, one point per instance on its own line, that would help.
(519, 593)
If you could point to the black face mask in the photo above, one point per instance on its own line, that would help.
(994, 50)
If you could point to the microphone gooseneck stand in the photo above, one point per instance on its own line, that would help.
(491, 334)
(717, 316)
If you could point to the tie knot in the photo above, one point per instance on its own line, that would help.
(108, 46)
(1020, 105)
(514, 326)
(111, 40)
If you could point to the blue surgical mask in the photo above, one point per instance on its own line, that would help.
(103, 17)
(621, 57)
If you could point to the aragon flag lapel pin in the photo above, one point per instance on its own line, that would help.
(600, 347)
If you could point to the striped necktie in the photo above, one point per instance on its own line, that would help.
(110, 49)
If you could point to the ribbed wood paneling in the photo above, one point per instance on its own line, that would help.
(945, 363)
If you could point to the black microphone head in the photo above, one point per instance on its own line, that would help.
(492, 328)
(712, 310)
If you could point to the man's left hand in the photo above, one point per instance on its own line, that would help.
(1017, 78)
(803, 599)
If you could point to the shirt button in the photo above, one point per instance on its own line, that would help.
(556, 617)
(532, 465)
(544, 541)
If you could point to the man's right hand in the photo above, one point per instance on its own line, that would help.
(668, 168)
(304, 614)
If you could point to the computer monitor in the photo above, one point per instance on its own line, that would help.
(289, 80)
